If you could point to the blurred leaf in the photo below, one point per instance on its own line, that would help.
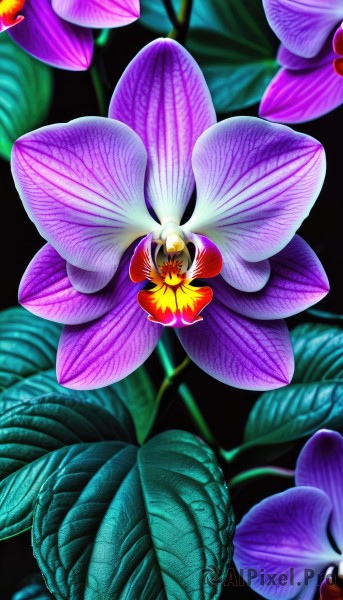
(32, 592)
(315, 397)
(118, 521)
(28, 346)
(37, 437)
(26, 92)
(324, 315)
(33, 589)
(232, 43)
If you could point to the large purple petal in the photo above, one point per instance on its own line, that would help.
(290, 60)
(286, 531)
(46, 291)
(82, 184)
(320, 464)
(51, 39)
(297, 281)
(299, 95)
(92, 13)
(100, 353)
(238, 351)
(163, 96)
(256, 183)
(88, 282)
(303, 25)
(243, 275)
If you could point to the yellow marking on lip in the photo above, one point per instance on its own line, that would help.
(173, 301)
(10, 7)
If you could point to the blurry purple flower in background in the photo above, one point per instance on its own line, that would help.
(59, 32)
(300, 529)
(309, 83)
(93, 187)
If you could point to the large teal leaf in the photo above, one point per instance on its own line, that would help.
(315, 397)
(232, 43)
(118, 521)
(28, 348)
(135, 391)
(27, 369)
(37, 437)
(26, 92)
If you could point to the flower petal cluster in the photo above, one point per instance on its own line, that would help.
(309, 83)
(58, 32)
(299, 531)
(124, 257)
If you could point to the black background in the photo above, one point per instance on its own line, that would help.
(225, 408)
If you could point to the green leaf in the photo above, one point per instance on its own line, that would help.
(32, 592)
(33, 589)
(118, 521)
(319, 353)
(28, 348)
(314, 399)
(136, 392)
(139, 395)
(37, 437)
(232, 43)
(26, 93)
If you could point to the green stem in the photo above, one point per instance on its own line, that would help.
(168, 5)
(229, 456)
(164, 358)
(196, 415)
(180, 30)
(99, 90)
(185, 393)
(171, 380)
(98, 73)
(103, 38)
(253, 474)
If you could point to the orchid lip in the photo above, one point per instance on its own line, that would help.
(174, 301)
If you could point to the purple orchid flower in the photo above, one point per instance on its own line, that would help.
(309, 83)
(94, 186)
(288, 534)
(59, 32)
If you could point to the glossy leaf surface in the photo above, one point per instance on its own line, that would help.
(36, 438)
(118, 521)
(314, 399)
